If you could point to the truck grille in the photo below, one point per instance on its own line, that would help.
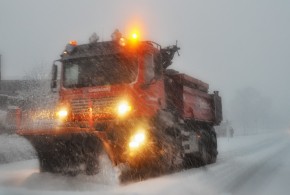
(99, 106)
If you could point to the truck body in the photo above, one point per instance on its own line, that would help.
(120, 97)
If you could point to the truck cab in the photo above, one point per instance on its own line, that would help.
(110, 81)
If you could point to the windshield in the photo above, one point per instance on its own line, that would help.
(102, 70)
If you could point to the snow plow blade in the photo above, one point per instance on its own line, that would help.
(66, 150)
(53, 131)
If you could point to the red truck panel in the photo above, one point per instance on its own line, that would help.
(196, 103)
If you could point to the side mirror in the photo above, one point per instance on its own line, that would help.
(53, 84)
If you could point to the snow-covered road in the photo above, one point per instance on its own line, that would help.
(258, 164)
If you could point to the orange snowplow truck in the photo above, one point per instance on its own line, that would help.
(118, 97)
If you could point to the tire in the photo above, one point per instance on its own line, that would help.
(192, 161)
(213, 148)
(205, 157)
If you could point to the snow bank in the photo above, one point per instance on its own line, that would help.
(15, 148)
(104, 181)
(256, 164)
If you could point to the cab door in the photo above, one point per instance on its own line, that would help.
(153, 84)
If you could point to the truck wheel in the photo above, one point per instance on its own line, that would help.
(204, 155)
(199, 157)
(191, 160)
(213, 148)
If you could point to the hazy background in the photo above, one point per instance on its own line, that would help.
(241, 48)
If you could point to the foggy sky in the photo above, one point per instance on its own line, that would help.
(228, 44)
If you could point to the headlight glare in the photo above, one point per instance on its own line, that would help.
(123, 108)
(62, 113)
(137, 140)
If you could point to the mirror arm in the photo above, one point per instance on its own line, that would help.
(53, 84)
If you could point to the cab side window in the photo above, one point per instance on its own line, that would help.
(148, 67)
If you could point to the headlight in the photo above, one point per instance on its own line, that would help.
(123, 108)
(137, 140)
(62, 113)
